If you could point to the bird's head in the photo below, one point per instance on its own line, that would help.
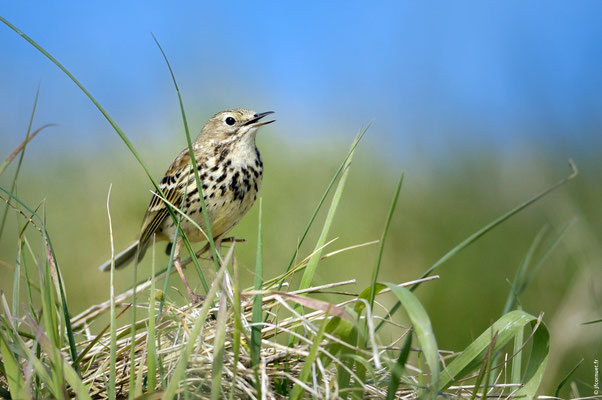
(232, 125)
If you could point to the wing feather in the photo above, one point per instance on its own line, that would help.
(173, 186)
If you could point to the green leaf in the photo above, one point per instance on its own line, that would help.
(381, 246)
(321, 201)
(312, 265)
(298, 391)
(258, 298)
(398, 369)
(365, 294)
(151, 339)
(195, 169)
(422, 327)
(566, 378)
(507, 327)
(218, 349)
(478, 234)
(12, 370)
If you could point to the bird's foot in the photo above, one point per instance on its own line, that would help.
(195, 299)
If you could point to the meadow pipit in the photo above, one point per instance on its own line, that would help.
(230, 170)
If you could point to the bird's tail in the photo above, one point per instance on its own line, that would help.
(125, 257)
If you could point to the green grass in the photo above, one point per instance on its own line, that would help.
(300, 331)
(331, 336)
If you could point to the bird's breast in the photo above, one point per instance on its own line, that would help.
(230, 184)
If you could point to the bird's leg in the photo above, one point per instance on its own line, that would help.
(194, 298)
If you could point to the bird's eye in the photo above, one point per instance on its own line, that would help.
(230, 121)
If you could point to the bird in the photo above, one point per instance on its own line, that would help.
(230, 171)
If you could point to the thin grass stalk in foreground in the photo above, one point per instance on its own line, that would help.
(20, 149)
(566, 378)
(180, 233)
(478, 234)
(517, 360)
(130, 147)
(424, 332)
(513, 295)
(508, 326)
(257, 304)
(17, 272)
(116, 127)
(381, 246)
(321, 201)
(193, 161)
(218, 346)
(310, 270)
(51, 258)
(238, 327)
(298, 390)
(87, 93)
(151, 339)
(172, 254)
(398, 369)
(132, 380)
(28, 283)
(485, 370)
(12, 371)
(531, 275)
(113, 341)
(472, 238)
(180, 369)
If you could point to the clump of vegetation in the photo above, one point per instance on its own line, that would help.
(273, 340)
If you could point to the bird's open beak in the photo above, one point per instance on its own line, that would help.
(254, 122)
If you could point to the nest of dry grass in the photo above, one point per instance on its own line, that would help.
(281, 359)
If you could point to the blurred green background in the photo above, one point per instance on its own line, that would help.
(481, 106)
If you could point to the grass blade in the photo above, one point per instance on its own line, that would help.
(381, 246)
(113, 340)
(545, 256)
(64, 371)
(507, 327)
(238, 327)
(258, 298)
(116, 127)
(298, 390)
(257, 313)
(218, 349)
(87, 93)
(11, 370)
(513, 296)
(151, 339)
(424, 331)
(538, 360)
(566, 378)
(475, 236)
(517, 360)
(321, 201)
(180, 369)
(398, 369)
(21, 149)
(193, 161)
(310, 270)
(485, 370)
(478, 234)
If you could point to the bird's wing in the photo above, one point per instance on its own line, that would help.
(172, 185)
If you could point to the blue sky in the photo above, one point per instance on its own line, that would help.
(429, 75)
